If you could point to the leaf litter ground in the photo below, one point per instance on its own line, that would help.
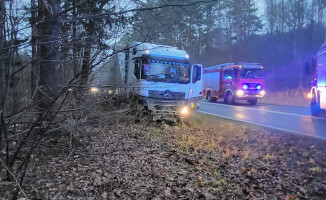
(204, 158)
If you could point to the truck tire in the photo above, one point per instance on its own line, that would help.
(209, 97)
(252, 101)
(315, 106)
(229, 99)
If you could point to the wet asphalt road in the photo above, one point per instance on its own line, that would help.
(291, 119)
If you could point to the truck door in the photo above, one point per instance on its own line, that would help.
(196, 86)
(228, 79)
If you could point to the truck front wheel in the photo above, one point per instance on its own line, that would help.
(229, 99)
(315, 106)
(252, 101)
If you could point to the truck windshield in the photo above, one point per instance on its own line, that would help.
(167, 72)
(251, 73)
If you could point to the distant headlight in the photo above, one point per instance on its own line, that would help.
(262, 93)
(94, 89)
(184, 110)
(240, 93)
(110, 91)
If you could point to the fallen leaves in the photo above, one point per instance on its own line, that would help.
(316, 169)
(213, 159)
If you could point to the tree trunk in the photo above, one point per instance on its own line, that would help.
(87, 54)
(65, 61)
(3, 69)
(86, 65)
(49, 35)
(320, 11)
(74, 38)
(34, 70)
(3, 81)
(282, 16)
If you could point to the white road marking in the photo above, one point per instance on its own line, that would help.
(262, 110)
(258, 124)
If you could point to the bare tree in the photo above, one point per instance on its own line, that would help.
(3, 73)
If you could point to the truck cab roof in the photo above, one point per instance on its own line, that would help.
(158, 51)
(249, 65)
(219, 67)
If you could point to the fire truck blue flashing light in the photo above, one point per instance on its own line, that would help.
(245, 87)
(258, 87)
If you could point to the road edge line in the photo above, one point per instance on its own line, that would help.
(275, 112)
(271, 127)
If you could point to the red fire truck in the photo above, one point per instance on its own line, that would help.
(242, 81)
(318, 89)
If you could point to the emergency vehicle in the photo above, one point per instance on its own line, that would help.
(242, 81)
(318, 89)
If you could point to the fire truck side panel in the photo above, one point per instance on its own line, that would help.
(212, 83)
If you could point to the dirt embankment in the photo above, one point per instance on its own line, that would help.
(205, 158)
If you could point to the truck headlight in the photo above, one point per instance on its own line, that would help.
(94, 90)
(309, 95)
(240, 93)
(262, 93)
(184, 110)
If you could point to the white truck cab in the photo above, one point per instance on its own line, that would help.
(161, 76)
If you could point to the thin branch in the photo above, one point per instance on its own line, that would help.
(17, 182)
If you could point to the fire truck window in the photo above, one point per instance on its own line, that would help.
(251, 73)
(137, 69)
(228, 74)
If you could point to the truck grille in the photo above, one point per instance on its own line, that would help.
(252, 85)
(167, 94)
(253, 92)
(165, 109)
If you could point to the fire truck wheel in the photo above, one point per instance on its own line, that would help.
(315, 106)
(229, 99)
(252, 101)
